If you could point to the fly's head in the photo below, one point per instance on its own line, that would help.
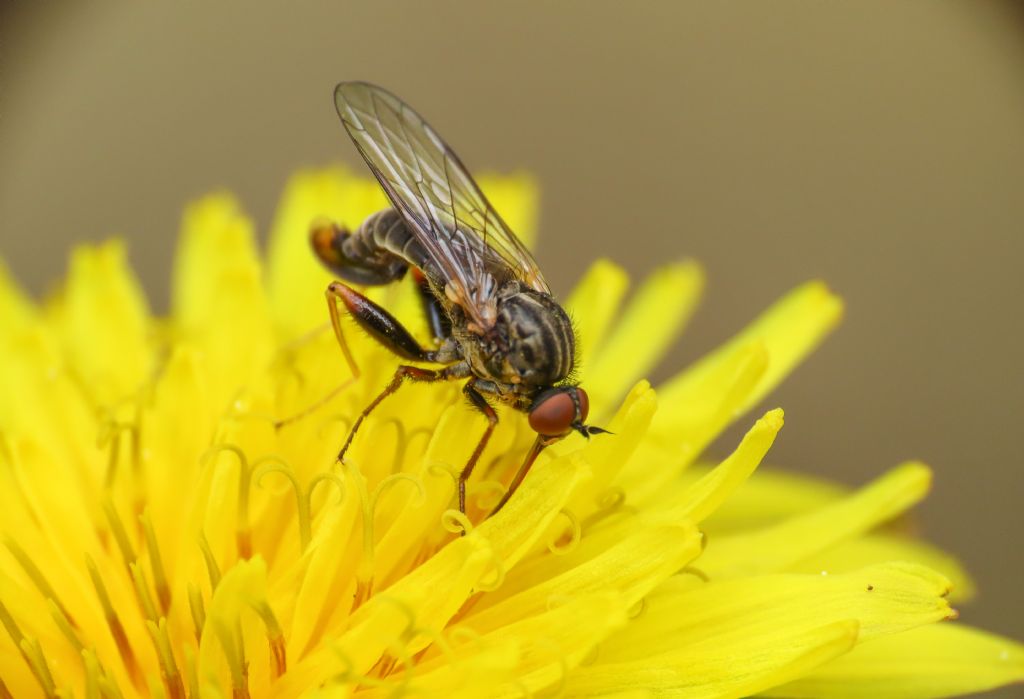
(557, 411)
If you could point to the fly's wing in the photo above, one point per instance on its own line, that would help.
(427, 183)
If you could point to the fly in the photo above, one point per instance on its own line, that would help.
(494, 320)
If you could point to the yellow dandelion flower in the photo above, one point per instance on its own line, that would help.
(163, 535)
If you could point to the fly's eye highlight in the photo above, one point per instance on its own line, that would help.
(555, 414)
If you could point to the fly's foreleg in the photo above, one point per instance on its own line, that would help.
(484, 407)
(539, 445)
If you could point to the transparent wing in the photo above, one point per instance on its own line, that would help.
(473, 248)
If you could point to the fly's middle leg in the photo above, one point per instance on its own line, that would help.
(404, 371)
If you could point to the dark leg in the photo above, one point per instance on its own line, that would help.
(380, 324)
(401, 374)
(492, 421)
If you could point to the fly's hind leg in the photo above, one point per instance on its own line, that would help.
(355, 258)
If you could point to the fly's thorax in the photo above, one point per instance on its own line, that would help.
(531, 342)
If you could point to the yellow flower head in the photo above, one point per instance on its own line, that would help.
(164, 534)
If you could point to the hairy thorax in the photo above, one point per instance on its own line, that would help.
(530, 344)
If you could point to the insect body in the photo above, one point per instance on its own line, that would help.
(492, 314)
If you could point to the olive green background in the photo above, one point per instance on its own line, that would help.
(878, 145)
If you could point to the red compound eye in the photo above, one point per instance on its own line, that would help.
(554, 415)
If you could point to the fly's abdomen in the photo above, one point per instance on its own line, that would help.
(379, 252)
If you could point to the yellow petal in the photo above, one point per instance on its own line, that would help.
(550, 645)
(884, 599)
(233, 645)
(432, 593)
(768, 497)
(703, 497)
(608, 454)
(786, 544)
(880, 547)
(690, 415)
(592, 305)
(658, 311)
(711, 671)
(217, 297)
(789, 330)
(104, 320)
(632, 567)
(940, 660)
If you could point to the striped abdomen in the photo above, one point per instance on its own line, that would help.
(379, 252)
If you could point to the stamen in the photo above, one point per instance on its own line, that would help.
(563, 666)
(440, 468)
(112, 431)
(198, 610)
(191, 672)
(109, 688)
(211, 562)
(390, 481)
(492, 490)
(156, 564)
(64, 624)
(116, 628)
(142, 593)
(241, 691)
(556, 546)
(276, 465)
(168, 667)
(695, 572)
(31, 652)
(456, 522)
(120, 534)
(499, 573)
(610, 502)
(319, 478)
(243, 532)
(36, 576)
(321, 431)
(364, 569)
(276, 638)
(397, 656)
(348, 676)
(637, 609)
(234, 652)
(98, 682)
(402, 441)
(92, 674)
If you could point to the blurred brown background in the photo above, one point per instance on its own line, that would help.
(877, 145)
